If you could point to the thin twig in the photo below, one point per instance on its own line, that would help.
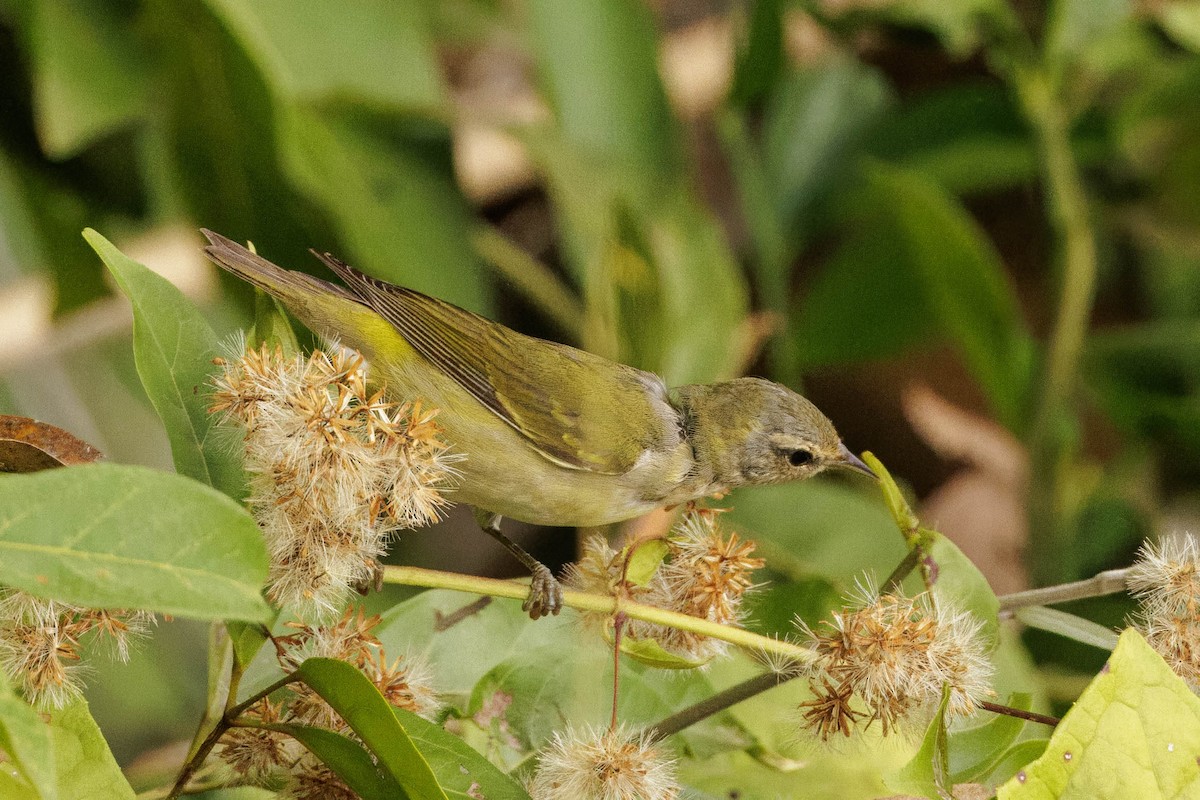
(1029, 716)
(717, 703)
(1111, 581)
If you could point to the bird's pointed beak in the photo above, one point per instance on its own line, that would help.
(851, 461)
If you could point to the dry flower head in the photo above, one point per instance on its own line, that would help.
(335, 469)
(893, 654)
(597, 764)
(41, 643)
(1166, 581)
(706, 574)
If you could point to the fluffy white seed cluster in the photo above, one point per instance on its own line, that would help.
(335, 469)
(895, 654)
(41, 643)
(1166, 581)
(597, 764)
(705, 574)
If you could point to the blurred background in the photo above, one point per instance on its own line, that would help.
(969, 231)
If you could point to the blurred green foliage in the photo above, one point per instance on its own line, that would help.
(916, 177)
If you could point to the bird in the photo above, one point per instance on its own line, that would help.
(551, 434)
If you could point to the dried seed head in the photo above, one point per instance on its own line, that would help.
(312, 780)
(895, 654)
(255, 754)
(405, 682)
(1166, 581)
(706, 574)
(594, 764)
(41, 643)
(335, 469)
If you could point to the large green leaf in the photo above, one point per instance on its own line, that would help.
(375, 52)
(813, 124)
(174, 348)
(88, 77)
(975, 752)
(351, 695)
(391, 198)
(1134, 732)
(110, 536)
(964, 283)
(28, 744)
(83, 764)
(819, 526)
(958, 583)
(598, 63)
(462, 772)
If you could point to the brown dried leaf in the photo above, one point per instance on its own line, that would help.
(27, 445)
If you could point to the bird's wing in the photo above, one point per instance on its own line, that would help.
(576, 409)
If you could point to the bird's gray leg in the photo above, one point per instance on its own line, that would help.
(545, 592)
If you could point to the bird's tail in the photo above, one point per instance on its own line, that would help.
(293, 288)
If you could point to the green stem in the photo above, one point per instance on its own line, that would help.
(603, 604)
(1049, 441)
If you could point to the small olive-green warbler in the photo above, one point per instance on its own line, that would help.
(554, 435)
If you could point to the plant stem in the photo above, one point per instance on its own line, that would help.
(232, 712)
(604, 604)
(1049, 437)
(1110, 581)
(892, 582)
(717, 703)
(1009, 711)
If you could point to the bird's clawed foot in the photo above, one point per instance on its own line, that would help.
(545, 594)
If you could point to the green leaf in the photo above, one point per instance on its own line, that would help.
(961, 26)
(110, 536)
(271, 325)
(644, 561)
(392, 199)
(969, 137)
(1074, 26)
(1181, 20)
(652, 654)
(812, 127)
(964, 283)
(928, 773)
(958, 583)
(348, 759)
(461, 772)
(598, 63)
(818, 526)
(88, 77)
(84, 765)
(368, 714)
(976, 752)
(379, 54)
(1134, 732)
(247, 638)
(903, 515)
(1068, 625)
(28, 744)
(848, 314)
(174, 347)
(760, 55)
(1015, 757)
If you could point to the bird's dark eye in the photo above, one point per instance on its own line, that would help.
(798, 458)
